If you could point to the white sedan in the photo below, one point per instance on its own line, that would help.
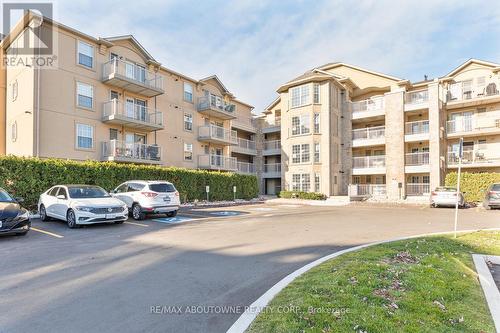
(81, 204)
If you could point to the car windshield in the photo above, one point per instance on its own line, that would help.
(446, 189)
(5, 197)
(496, 188)
(82, 192)
(162, 187)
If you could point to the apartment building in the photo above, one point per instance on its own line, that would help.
(349, 130)
(109, 99)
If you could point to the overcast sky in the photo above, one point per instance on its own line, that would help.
(256, 45)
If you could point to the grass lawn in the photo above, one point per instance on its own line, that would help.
(421, 285)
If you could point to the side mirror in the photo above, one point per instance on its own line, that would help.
(19, 199)
(60, 196)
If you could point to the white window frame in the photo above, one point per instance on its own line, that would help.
(296, 154)
(303, 126)
(79, 92)
(185, 122)
(317, 182)
(305, 182)
(81, 43)
(316, 93)
(305, 153)
(300, 96)
(316, 121)
(81, 129)
(187, 92)
(188, 152)
(317, 152)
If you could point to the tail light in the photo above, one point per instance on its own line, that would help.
(176, 193)
(149, 194)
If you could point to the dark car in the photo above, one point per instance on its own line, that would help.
(14, 219)
(492, 197)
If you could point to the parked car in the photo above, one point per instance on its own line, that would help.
(492, 197)
(447, 197)
(81, 204)
(14, 219)
(148, 197)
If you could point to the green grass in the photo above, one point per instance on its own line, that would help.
(425, 284)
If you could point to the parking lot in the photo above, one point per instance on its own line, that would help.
(114, 278)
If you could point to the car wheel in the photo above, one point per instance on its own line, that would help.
(71, 219)
(43, 213)
(172, 214)
(487, 207)
(137, 212)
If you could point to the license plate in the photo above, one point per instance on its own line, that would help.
(110, 216)
(166, 199)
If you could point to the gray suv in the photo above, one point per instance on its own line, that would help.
(492, 197)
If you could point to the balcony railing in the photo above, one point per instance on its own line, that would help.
(218, 134)
(479, 87)
(272, 126)
(418, 188)
(132, 115)
(245, 145)
(362, 162)
(132, 77)
(372, 104)
(216, 106)
(417, 127)
(368, 133)
(245, 167)
(479, 122)
(372, 190)
(244, 123)
(217, 162)
(115, 150)
(417, 97)
(272, 145)
(476, 156)
(420, 158)
(272, 170)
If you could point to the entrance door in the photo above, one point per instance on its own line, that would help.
(467, 121)
(141, 109)
(130, 108)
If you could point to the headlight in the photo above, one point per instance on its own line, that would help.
(23, 216)
(83, 208)
(125, 208)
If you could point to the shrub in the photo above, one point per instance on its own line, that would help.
(302, 195)
(473, 184)
(29, 177)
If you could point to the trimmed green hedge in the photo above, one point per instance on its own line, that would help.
(29, 177)
(473, 184)
(302, 195)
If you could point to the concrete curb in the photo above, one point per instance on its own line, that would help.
(490, 289)
(246, 318)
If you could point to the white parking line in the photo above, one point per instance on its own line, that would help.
(138, 224)
(46, 232)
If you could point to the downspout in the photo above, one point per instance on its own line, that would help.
(38, 94)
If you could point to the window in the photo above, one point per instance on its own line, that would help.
(85, 54)
(188, 151)
(296, 154)
(305, 153)
(306, 182)
(15, 89)
(300, 125)
(85, 95)
(62, 191)
(316, 152)
(13, 133)
(188, 122)
(317, 183)
(316, 123)
(188, 92)
(113, 134)
(53, 191)
(134, 187)
(296, 182)
(122, 188)
(114, 95)
(356, 180)
(316, 99)
(300, 95)
(426, 179)
(84, 136)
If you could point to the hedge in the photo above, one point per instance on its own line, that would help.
(302, 195)
(473, 184)
(29, 177)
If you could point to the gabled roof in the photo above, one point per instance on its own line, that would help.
(219, 82)
(135, 42)
(472, 61)
(338, 64)
(314, 74)
(273, 104)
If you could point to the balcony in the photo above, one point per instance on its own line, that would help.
(417, 162)
(120, 151)
(272, 170)
(215, 106)
(368, 165)
(373, 107)
(244, 123)
(246, 168)
(474, 125)
(132, 115)
(416, 100)
(417, 131)
(273, 126)
(478, 158)
(418, 189)
(476, 91)
(370, 136)
(245, 147)
(217, 162)
(218, 135)
(272, 147)
(131, 77)
(367, 190)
